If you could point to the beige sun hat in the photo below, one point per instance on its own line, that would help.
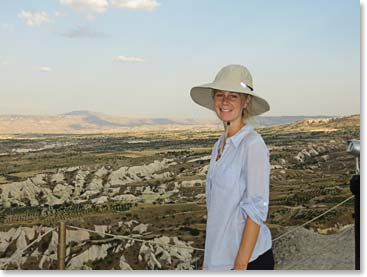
(235, 78)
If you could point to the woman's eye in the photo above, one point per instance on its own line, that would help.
(233, 96)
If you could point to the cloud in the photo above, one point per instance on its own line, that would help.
(59, 14)
(34, 19)
(45, 69)
(87, 7)
(135, 4)
(83, 32)
(90, 8)
(128, 59)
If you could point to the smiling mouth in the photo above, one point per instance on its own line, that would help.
(225, 110)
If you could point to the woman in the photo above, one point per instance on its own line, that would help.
(237, 184)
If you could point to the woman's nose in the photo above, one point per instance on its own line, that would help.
(225, 99)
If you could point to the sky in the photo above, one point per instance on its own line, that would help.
(140, 58)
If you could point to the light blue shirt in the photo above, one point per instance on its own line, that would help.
(237, 187)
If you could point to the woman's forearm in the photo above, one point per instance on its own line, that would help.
(248, 242)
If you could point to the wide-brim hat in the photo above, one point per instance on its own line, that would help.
(235, 78)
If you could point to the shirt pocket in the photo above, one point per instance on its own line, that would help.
(227, 179)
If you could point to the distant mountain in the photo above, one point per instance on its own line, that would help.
(319, 124)
(95, 120)
(91, 118)
(81, 113)
(102, 120)
(83, 121)
(280, 120)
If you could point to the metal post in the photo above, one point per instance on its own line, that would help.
(354, 187)
(61, 247)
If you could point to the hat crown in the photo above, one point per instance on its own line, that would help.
(234, 74)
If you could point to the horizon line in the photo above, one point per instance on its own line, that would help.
(160, 117)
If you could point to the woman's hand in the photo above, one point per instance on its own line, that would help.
(239, 264)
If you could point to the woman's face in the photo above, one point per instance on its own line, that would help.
(228, 105)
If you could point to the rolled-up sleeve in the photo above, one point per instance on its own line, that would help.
(255, 200)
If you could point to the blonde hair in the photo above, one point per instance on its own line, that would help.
(246, 114)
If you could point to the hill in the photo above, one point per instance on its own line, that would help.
(88, 122)
(317, 125)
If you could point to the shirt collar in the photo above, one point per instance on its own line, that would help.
(237, 138)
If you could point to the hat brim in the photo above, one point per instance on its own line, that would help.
(203, 95)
